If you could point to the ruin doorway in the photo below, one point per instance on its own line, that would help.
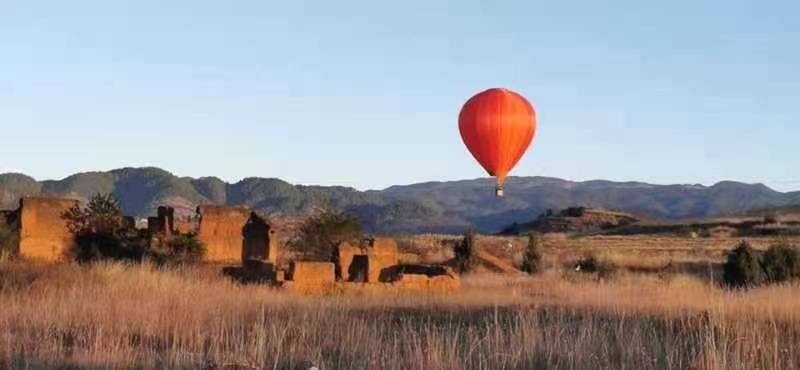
(357, 271)
(258, 240)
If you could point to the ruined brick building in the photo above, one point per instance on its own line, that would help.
(369, 263)
(163, 223)
(372, 265)
(230, 234)
(235, 234)
(43, 232)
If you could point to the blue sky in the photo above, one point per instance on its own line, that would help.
(367, 94)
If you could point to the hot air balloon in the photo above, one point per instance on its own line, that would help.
(497, 127)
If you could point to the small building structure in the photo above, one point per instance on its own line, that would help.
(311, 277)
(258, 240)
(43, 231)
(163, 223)
(221, 231)
(370, 262)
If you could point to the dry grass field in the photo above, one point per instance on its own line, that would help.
(660, 309)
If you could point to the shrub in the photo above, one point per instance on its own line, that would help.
(318, 237)
(590, 264)
(177, 249)
(531, 261)
(100, 232)
(513, 229)
(781, 263)
(573, 212)
(772, 218)
(465, 251)
(94, 246)
(9, 236)
(742, 267)
(101, 214)
(746, 267)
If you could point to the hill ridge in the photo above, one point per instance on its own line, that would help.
(434, 206)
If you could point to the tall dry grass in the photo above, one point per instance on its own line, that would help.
(112, 315)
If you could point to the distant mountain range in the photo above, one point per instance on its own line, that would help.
(425, 207)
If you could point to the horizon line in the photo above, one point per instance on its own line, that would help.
(231, 181)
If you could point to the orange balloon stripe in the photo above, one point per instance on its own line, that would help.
(497, 127)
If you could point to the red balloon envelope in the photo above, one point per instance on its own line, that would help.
(497, 126)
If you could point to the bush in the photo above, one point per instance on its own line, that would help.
(100, 231)
(319, 236)
(573, 212)
(177, 249)
(590, 264)
(781, 263)
(742, 267)
(772, 218)
(9, 236)
(747, 267)
(102, 245)
(465, 251)
(531, 261)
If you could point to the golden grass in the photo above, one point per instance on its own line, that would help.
(112, 315)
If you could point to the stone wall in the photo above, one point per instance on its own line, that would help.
(221, 231)
(43, 232)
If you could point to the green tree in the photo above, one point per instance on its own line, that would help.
(532, 259)
(101, 214)
(465, 251)
(781, 263)
(176, 249)
(742, 267)
(318, 236)
(100, 232)
(9, 235)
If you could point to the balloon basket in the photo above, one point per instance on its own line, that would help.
(498, 191)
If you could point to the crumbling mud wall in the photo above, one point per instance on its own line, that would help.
(260, 242)
(221, 231)
(320, 278)
(43, 231)
(165, 223)
(311, 277)
(428, 284)
(344, 262)
(165, 220)
(371, 263)
(254, 271)
(382, 257)
(185, 226)
(426, 278)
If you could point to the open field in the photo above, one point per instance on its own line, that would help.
(113, 315)
(701, 257)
